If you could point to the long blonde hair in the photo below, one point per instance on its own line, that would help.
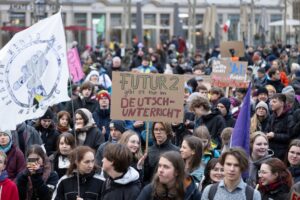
(124, 140)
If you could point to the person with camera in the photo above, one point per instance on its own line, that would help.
(37, 181)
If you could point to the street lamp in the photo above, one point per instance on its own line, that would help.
(39, 10)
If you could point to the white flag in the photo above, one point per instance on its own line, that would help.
(33, 72)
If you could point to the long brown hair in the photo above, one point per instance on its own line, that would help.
(68, 139)
(195, 145)
(277, 166)
(125, 138)
(76, 156)
(295, 142)
(177, 192)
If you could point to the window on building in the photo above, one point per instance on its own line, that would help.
(98, 28)
(80, 19)
(17, 19)
(233, 31)
(164, 35)
(133, 19)
(296, 10)
(164, 19)
(115, 19)
(275, 32)
(220, 18)
(199, 19)
(149, 19)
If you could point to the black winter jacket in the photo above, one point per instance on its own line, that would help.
(90, 187)
(295, 171)
(126, 187)
(282, 126)
(94, 138)
(81, 102)
(153, 157)
(214, 122)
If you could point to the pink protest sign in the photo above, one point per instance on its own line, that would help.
(75, 65)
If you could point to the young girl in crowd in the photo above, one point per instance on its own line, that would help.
(260, 119)
(59, 159)
(15, 158)
(259, 147)
(293, 159)
(82, 164)
(86, 131)
(209, 148)
(275, 180)
(132, 140)
(8, 189)
(64, 122)
(45, 126)
(191, 153)
(213, 173)
(37, 181)
(170, 181)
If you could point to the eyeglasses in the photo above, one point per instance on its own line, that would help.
(263, 172)
(294, 153)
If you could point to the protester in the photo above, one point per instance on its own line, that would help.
(280, 126)
(117, 128)
(191, 153)
(170, 181)
(260, 119)
(275, 180)
(85, 129)
(213, 173)
(64, 122)
(37, 181)
(14, 158)
(293, 159)
(161, 134)
(122, 181)
(84, 100)
(211, 118)
(25, 136)
(224, 105)
(83, 169)
(260, 152)
(60, 161)
(46, 128)
(235, 162)
(209, 147)
(226, 136)
(132, 140)
(8, 188)
(102, 114)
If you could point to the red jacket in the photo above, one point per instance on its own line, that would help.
(8, 190)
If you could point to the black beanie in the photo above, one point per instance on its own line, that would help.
(48, 115)
(226, 102)
(262, 90)
(118, 124)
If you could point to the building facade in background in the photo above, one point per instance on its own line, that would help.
(90, 21)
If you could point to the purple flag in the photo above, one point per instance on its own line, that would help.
(241, 132)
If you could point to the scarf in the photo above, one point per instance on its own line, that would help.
(62, 129)
(6, 148)
(271, 187)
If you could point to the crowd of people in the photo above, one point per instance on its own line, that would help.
(75, 151)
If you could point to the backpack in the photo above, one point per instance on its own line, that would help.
(213, 190)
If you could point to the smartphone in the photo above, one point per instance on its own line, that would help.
(32, 160)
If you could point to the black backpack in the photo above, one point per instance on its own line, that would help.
(213, 190)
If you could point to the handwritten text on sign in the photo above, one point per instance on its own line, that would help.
(147, 97)
(229, 73)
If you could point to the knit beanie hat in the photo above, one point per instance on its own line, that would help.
(7, 132)
(226, 102)
(288, 89)
(262, 104)
(101, 94)
(118, 124)
(48, 115)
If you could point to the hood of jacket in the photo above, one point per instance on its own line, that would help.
(130, 176)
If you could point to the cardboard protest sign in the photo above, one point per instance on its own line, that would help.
(227, 73)
(229, 47)
(147, 97)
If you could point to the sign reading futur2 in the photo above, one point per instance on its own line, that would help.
(147, 97)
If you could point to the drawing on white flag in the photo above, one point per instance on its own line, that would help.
(33, 72)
